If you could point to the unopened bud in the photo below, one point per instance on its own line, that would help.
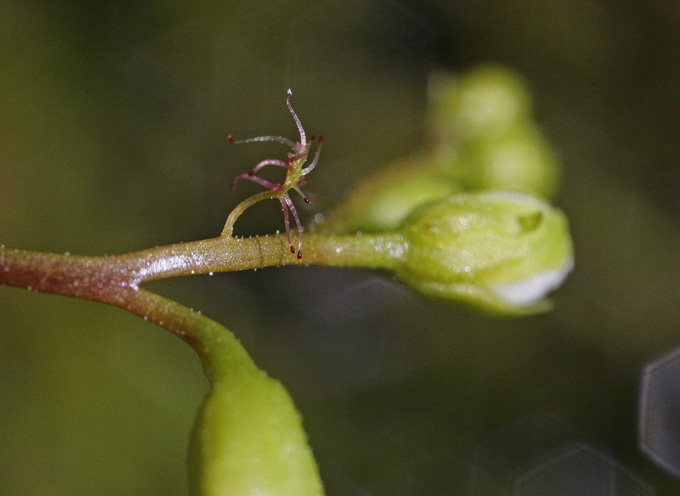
(382, 201)
(498, 251)
(483, 101)
(521, 159)
(249, 440)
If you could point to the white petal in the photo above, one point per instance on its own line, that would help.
(533, 289)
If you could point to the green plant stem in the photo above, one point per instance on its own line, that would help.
(227, 254)
(222, 356)
(115, 280)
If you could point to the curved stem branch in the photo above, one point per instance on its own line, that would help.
(220, 352)
(241, 207)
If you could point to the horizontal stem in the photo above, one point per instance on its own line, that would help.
(92, 278)
(86, 277)
(228, 254)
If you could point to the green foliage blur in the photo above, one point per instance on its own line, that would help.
(113, 125)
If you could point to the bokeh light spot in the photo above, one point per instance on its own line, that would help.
(660, 412)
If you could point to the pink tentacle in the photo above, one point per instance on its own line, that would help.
(272, 161)
(296, 188)
(311, 166)
(284, 207)
(303, 136)
(290, 204)
(258, 139)
(256, 179)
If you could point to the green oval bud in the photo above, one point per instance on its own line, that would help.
(498, 251)
(520, 159)
(249, 440)
(383, 200)
(484, 101)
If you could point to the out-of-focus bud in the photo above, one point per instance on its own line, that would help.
(482, 138)
(497, 251)
(521, 159)
(484, 101)
(382, 201)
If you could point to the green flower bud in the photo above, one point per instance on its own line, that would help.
(521, 159)
(498, 251)
(484, 101)
(248, 438)
(382, 201)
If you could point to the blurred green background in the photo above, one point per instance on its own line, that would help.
(113, 125)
